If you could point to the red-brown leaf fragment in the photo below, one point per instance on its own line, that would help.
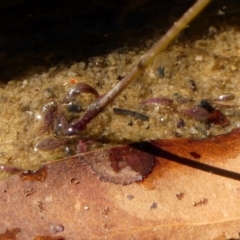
(70, 202)
(165, 101)
(40, 175)
(10, 169)
(197, 113)
(224, 97)
(218, 118)
(48, 238)
(10, 234)
(48, 112)
(121, 165)
(49, 143)
(80, 88)
(82, 147)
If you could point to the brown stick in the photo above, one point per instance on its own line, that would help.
(95, 108)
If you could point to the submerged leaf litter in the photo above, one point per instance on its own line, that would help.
(159, 104)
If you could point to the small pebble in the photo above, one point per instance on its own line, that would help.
(193, 130)
(24, 83)
(199, 58)
(161, 72)
(71, 74)
(48, 93)
(233, 68)
(57, 228)
(82, 65)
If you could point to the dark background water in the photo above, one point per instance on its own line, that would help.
(48, 31)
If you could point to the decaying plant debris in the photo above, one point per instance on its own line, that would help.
(67, 200)
(177, 81)
(169, 188)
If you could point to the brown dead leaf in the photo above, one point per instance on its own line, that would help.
(175, 201)
(121, 165)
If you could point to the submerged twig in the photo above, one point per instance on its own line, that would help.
(131, 113)
(95, 108)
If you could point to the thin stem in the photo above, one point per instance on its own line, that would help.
(95, 108)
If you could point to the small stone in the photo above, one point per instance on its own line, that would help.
(193, 130)
(233, 68)
(71, 74)
(199, 58)
(24, 83)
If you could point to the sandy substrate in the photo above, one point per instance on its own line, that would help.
(185, 73)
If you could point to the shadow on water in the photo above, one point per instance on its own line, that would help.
(49, 32)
